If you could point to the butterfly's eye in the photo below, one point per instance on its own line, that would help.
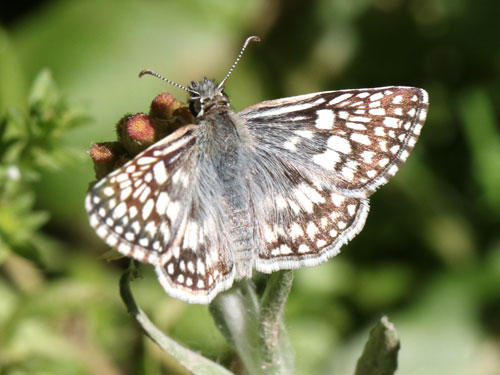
(195, 106)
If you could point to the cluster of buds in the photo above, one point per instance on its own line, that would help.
(137, 132)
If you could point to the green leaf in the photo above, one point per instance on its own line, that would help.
(380, 355)
(43, 93)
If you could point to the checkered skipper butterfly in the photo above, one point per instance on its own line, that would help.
(280, 185)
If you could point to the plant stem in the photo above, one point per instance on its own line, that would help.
(256, 330)
(277, 352)
(236, 314)
(191, 361)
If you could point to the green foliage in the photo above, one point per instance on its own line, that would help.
(30, 143)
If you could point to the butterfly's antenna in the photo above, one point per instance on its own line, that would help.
(153, 73)
(250, 39)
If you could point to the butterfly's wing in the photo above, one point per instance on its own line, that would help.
(155, 210)
(357, 139)
(316, 158)
(301, 219)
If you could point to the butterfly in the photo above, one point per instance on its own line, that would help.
(281, 184)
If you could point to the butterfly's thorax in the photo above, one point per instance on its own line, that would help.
(222, 144)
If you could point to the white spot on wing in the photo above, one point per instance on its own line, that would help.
(339, 144)
(269, 234)
(320, 243)
(355, 126)
(367, 156)
(108, 191)
(340, 98)
(311, 230)
(394, 149)
(351, 209)
(162, 202)
(348, 173)
(376, 96)
(102, 231)
(119, 211)
(280, 202)
(337, 199)
(327, 160)
(145, 194)
(361, 138)
(404, 155)
(170, 269)
(148, 208)
(125, 193)
(173, 210)
(325, 119)
(312, 194)
(284, 249)
(146, 160)
(397, 99)
(377, 111)
(160, 173)
(290, 144)
(391, 122)
(303, 200)
(383, 162)
(304, 249)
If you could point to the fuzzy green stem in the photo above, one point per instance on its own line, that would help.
(191, 361)
(254, 329)
(277, 352)
(236, 314)
(380, 355)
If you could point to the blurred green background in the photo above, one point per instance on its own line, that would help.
(428, 257)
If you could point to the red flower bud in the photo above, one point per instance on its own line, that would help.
(105, 156)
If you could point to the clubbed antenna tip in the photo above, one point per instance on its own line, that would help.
(247, 42)
(153, 73)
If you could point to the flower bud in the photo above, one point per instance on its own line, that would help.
(163, 106)
(168, 114)
(136, 132)
(105, 156)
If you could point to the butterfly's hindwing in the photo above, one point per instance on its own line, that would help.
(358, 139)
(303, 221)
(320, 221)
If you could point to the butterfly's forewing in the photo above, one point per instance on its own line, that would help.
(153, 210)
(317, 157)
(357, 139)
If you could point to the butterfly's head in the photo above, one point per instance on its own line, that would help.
(206, 94)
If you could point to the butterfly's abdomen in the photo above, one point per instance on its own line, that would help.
(221, 147)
